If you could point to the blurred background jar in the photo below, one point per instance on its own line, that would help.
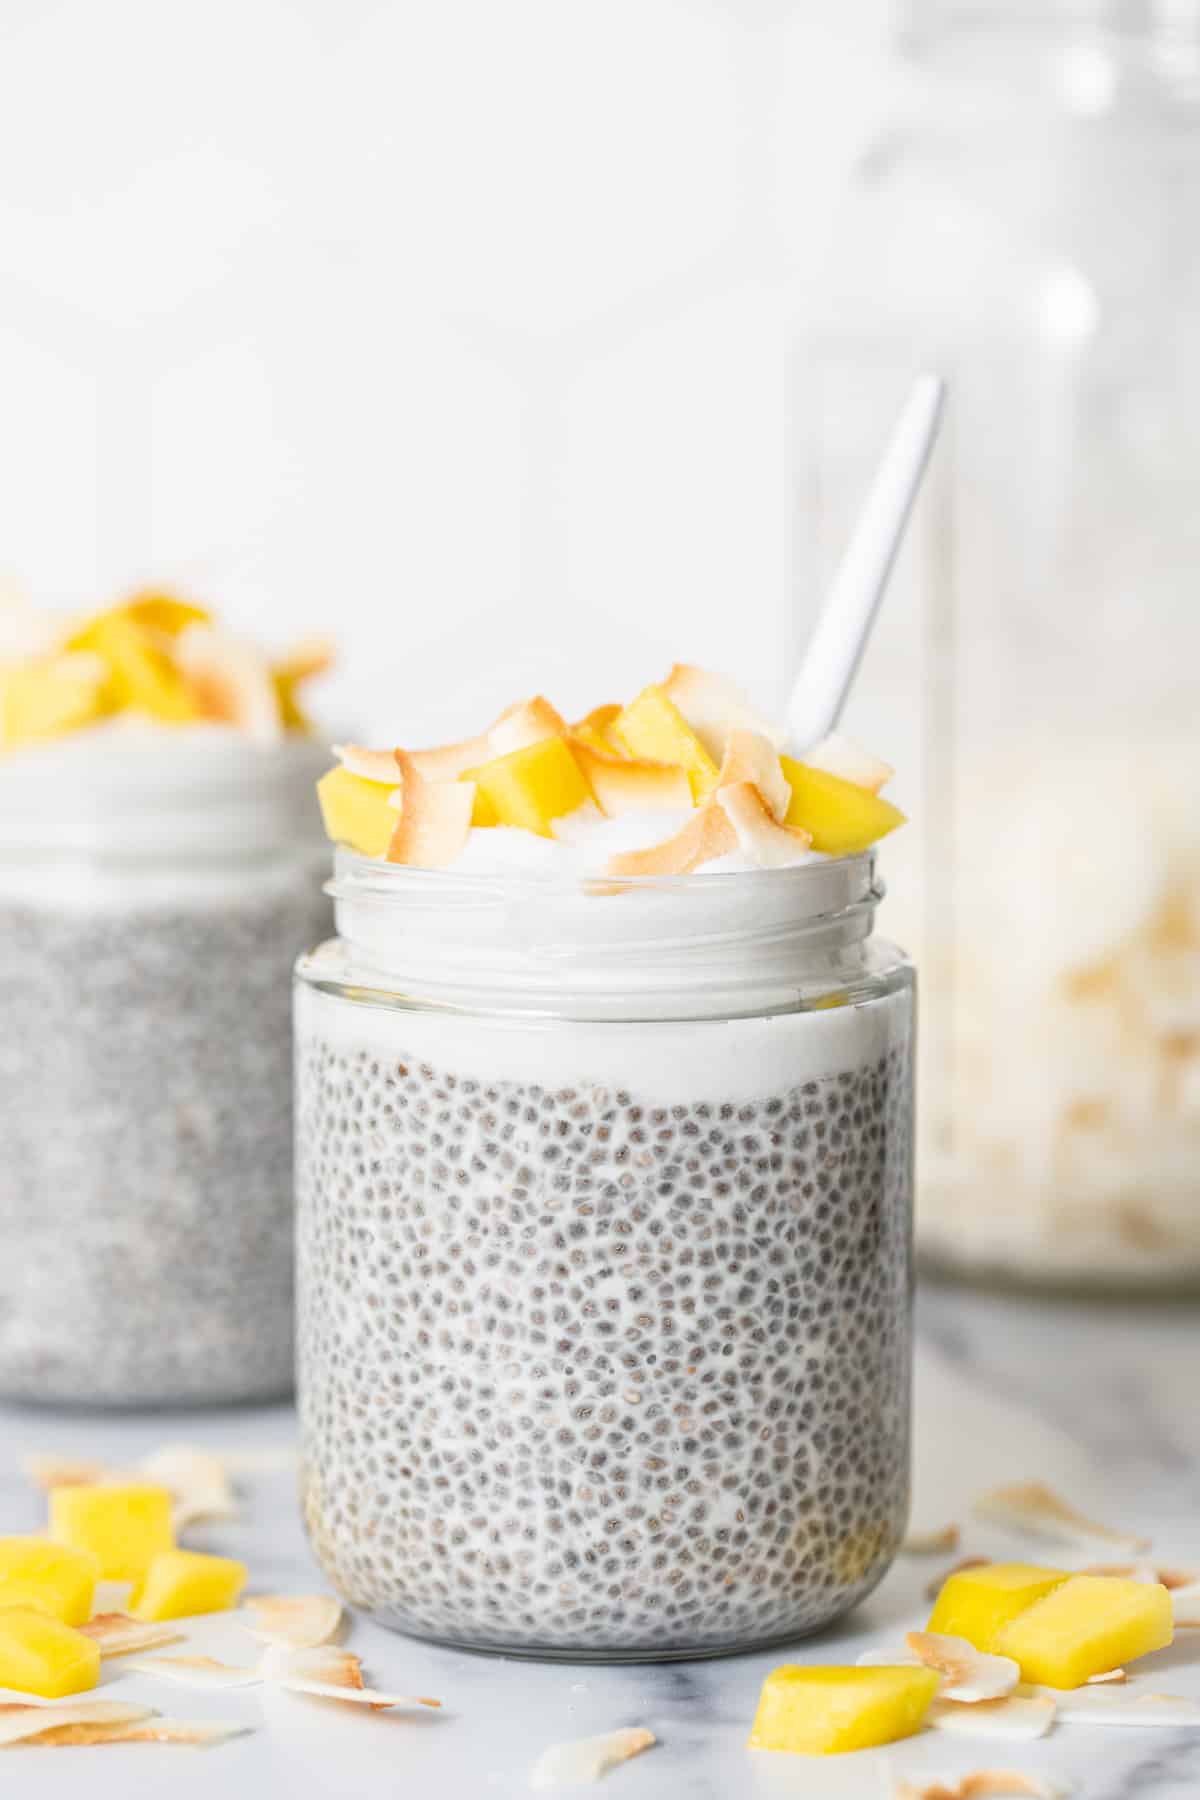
(1028, 223)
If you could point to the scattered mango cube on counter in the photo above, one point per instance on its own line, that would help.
(356, 811)
(179, 1583)
(41, 1655)
(125, 1524)
(977, 1604)
(1087, 1626)
(49, 1578)
(532, 787)
(823, 1711)
(840, 817)
(653, 727)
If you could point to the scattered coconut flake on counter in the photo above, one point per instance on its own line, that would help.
(934, 1543)
(1017, 1716)
(934, 1587)
(328, 1673)
(1185, 1604)
(197, 1671)
(119, 1635)
(198, 1734)
(300, 1621)
(982, 1784)
(1166, 1577)
(21, 1724)
(1118, 1706)
(587, 1759)
(49, 1472)
(971, 1675)
(1033, 1508)
(198, 1483)
(1108, 1676)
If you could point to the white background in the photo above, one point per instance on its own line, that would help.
(457, 327)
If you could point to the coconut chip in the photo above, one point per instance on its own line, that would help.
(1035, 1509)
(769, 845)
(20, 1723)
(1185, 1603)
(1108, 1675)
(197, 1671)
(931, 1543)
(1118, 1706)
(587, 1759)
(624, 784)
(982, 1784)
(119, 1635)
(231, 680)
(369, 765)
(198, 1482)
(199, 1734)
(1168, 1577)
(840, 755)
(707, 835)
(971, 1675)
(299, 1621)
(435, 817)
(749, 756)
(1013, 1716)
(330, 1674)
(934, 1588)
(528, 722)
(311, 656)
(713, 706)
(62, 1471)
(446, 762)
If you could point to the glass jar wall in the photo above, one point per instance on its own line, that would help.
(1028, 225)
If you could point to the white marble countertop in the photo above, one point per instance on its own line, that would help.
(1100, 1402)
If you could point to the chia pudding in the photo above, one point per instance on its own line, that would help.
(156, 884)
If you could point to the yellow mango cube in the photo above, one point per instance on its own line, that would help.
(1091, 1624)
(51, 695)
(977, 1604)
(652, 727)
(356, 811)
(50, 1578)
(483, 813)
(823, 1711)
(142, 676)
(164, 613)
(534, 786)
(125, 1524)
(179, 1583)
(291, 712)
(41, 1655)
(841, 817)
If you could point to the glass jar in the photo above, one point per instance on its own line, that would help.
(603, 1256)
(1028, 225)
(154, 892)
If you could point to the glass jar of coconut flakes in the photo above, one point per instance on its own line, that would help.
(1027, 224)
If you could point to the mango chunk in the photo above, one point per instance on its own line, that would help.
(124, 1524)
(483, 813)
(49, 1578)
(977, 1604)
(823, 1711)
(356, 811)
(53, 694)
(164, 613)
(41, 1655)
(179, 1583)
(534, 786)
(1091, 1624)
(142, 676)
(653, 728)
(841, 817)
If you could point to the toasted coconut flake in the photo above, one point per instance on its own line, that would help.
(714, 706)
(310, 656)
(707, 835)
(770, 845)
(371, 765)
(749, 756)
(198, 1482)
(119, 1635)
(20, 1724)
(330, 1674)
(197, 1671)
(1036, 1510)
(1185, 1603)
(446, 762)
(300, 1621)
(970, 1675)
(1108, 1675)
(840, 755)
(199, 1734)
(1169, 1577)
(528, 722)
(624, 784)
(587, 1759)
(931, 1543)
(1013, 1716)
(231, 680)
(62, 1471)
(435, 817)
(1119, 1706)
(934, 1587)
(982, 1784)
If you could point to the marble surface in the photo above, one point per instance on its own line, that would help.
(1099, 1401)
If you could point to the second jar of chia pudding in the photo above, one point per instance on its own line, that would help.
(157, 878)
(604, 1193)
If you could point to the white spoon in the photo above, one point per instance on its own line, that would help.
(837, 643)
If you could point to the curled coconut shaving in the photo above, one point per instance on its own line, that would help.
(707, 835)
(527, 723)
(231, 680)
(369, 765)
(297, 1621)
(931, 1543)
(1119, 1706)
(970, 1675)
(197, 1671)
(840, 755)
(714, 706)
(769, 845)
(20, 1724)
(198, 1483)
(1016, 1716)
(587, 1759)
(625, 784)
(435, 817)
(330, 1674)
(1036, 1510)
(751, 757)
(119, 1635)
(982, 1784)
